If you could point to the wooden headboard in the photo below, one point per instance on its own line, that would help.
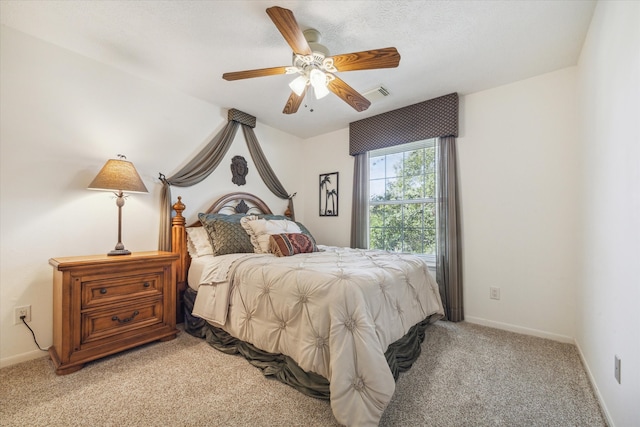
(237, 202)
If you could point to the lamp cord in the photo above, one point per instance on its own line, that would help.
(32, 333)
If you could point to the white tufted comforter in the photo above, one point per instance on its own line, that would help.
(334, 312)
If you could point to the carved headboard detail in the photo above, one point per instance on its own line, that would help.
(231, 203)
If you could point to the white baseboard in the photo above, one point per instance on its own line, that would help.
(555, 337)
(519, 329)
(8, 361)
(596, 391)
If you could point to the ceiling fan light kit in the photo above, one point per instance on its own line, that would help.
(299, 85)
(315, 67)
(314, 70)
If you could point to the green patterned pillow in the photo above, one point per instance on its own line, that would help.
(227, 237)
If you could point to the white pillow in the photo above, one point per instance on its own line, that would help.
(198, 243)
(259, 230)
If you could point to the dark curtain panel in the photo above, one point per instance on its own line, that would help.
(360, 207)
(449, 249)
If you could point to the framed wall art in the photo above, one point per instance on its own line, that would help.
(329, 194)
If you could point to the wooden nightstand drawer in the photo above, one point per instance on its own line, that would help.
(105, 304)
(110, 290)
(101, 324)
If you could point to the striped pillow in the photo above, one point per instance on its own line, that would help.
(288, 244)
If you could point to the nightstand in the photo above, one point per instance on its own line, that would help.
(105, 304)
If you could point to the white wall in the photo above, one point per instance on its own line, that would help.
(63, 116)
(518, 175)
(608, 315)
(328, 153)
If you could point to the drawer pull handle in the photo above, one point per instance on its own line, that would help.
(125, 320)
(103, 291)
(146, 284)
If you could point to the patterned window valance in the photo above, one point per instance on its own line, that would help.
(241, 117)
(436, 117)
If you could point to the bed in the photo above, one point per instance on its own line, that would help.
(335, 323)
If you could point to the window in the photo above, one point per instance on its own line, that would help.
(402, 198)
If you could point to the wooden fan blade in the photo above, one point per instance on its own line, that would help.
(294, 102)
(348, 94)
(286, 23)
(367, 60)
(249, 74)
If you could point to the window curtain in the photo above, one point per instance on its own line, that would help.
(448, 251)
(360, 203)
(208, 159)
(435, 118)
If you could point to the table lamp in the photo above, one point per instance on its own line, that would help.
(118, 175)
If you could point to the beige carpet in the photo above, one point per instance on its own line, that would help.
(467, 375)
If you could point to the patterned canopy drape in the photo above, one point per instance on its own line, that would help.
(208, 159)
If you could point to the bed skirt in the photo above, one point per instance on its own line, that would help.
(400, 355)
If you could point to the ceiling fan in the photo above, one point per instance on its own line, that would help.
(315, 68)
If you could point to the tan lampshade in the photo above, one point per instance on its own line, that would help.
(118, 175)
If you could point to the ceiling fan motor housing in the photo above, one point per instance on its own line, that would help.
(313, 39)
(318, 58)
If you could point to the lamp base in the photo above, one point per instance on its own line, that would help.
(119, 252)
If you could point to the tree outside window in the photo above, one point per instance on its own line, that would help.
(402, 208)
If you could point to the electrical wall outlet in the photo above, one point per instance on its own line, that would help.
(616, 368)
(25, 311)
(494, 293)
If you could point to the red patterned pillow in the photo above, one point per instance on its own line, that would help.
(290, 244)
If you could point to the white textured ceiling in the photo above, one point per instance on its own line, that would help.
(446, 46)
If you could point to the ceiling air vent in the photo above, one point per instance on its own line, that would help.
(376, 94)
